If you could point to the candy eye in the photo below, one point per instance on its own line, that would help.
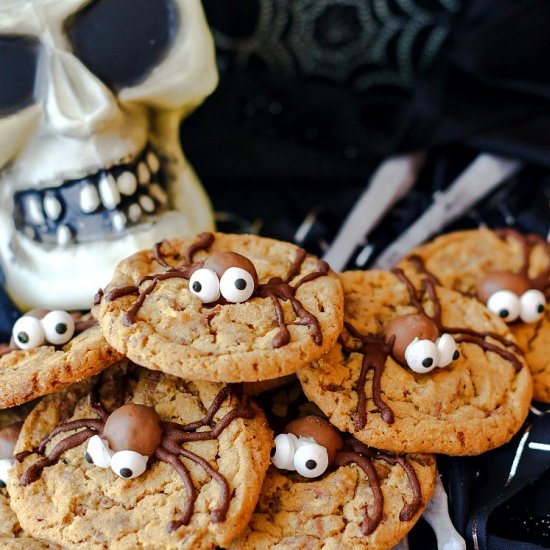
(28, 332)
(5, 465)
(282, 455)
(422, 355)
(128, 464)
(58, 327)
(311, 460)
(204, 284)
(446, 347)
(505, 304)
(98, 452)
(532, 304)
(236, 285)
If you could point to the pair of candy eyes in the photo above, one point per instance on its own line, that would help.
(126, 464)
(509, 306)
(302, 455)
(56, 328)
(423, 356)
(236, 285)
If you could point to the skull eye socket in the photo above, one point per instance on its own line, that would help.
(204, 284)
(505, 304)
(120, 41)
(58, 327)
(128, 464)
(18, 62)
(532, 304)
(28, 332)
(422, 356)
(311, 460)
(236, 285)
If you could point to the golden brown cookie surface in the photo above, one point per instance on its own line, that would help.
(27, 374)
(462, 259)
(295, 513)
(76, 503)
(476, 403)
(293, 315)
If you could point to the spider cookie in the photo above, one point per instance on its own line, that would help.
(509, 273)
(48, 351)
(233, 308)
(426, 370)
(327, 490)
(11, 534)
(140, 460)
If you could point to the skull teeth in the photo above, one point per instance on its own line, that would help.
(127, 183)
(82, 210)
(89, 198)
(109, 193)
(52, 207)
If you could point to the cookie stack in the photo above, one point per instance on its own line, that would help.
(149, 437)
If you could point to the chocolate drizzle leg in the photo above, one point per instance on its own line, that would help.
(171, 435)
(355, 452)
(374, 352)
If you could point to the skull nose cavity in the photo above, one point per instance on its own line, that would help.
(77, 102)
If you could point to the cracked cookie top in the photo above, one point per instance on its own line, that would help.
(219, 307)
(29, 373)
(474, 404)
(177, 499)
(468, 261)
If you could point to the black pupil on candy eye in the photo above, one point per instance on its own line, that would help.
(197, 287)
(427, 362)
(273, 451)
(88, 458)
(540, 308)
(240, 284)
(125, 472)
(23, 337)
(61, 328)
(456, 355)
(503, 313)
(311, 464)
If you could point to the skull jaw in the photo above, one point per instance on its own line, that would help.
(68, 277)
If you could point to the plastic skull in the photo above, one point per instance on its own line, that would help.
(91, 169)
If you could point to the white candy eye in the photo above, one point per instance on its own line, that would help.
(532, 304)
(505, 304)
(236, 285)
(5, 465)
(204, 284)
(282, 455)
(128, 464)
(28, 332)
(447, 350)
(311, 460)
(422, 355)
(98, 452)
(58, 327)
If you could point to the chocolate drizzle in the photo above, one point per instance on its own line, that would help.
(462, 334)
(168, 450)
(528, 243)
(276, 289)
(358, 453)
(375, 352)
